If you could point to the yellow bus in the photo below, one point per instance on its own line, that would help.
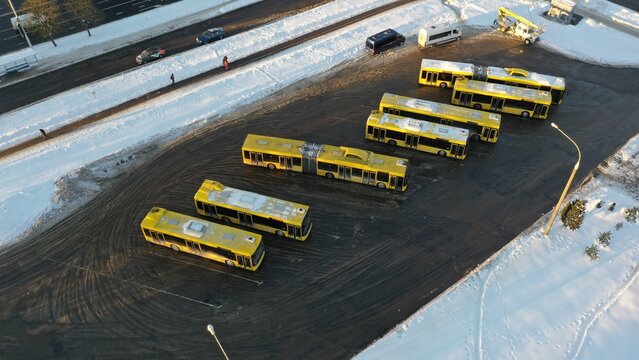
(280, 217)
(503, 98)
(341, 162)
(482, 125)
(421, 135)
(444, 74)
(234, 247)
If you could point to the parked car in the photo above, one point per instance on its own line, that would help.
(151, 54)
(435, 35)
(384, 40)
(210, 36)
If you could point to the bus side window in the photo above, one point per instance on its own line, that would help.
(246, 155)
(369, 129)
(424, 74)
(382, 176)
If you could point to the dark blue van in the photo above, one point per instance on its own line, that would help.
(384, 40)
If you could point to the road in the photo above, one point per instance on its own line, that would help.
(91, 285)
(117, 61)
(111, 10)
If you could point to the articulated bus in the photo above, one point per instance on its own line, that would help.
(234, 247)
(503, 98)
(421, 135)
(445, 73)
(341, 162)
(481, 124)
(280, 217)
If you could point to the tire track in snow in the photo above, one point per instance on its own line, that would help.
(583, 332)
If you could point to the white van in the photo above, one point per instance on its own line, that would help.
(434, 35)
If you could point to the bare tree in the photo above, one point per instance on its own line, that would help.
(85, 12)
(46, 14)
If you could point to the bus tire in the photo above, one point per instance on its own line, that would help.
(279, 233)
(525, 114)
(226, 220)
(175, 248)
(229, 263)
(457, 38)
(381, 185)
(527, 41)
(441, 153)
(477, 107)
(443, 85)
(392, 142)
(474, 137)
(271, 166)
(330, 176)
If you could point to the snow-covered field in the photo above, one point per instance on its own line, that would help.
(543, 297)
(539, 297)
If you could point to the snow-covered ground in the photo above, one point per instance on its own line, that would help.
(96, 150)
(542, 297)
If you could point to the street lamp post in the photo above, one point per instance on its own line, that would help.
(210, 328)
(572, 175)
(19, 24)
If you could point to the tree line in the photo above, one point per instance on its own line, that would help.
(46, 16)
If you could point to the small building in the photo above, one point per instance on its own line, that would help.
(561, 10)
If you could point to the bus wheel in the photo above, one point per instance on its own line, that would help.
(271, 166)
(441, 153)
(381, 185)
(225, 219)
(477, 106)
(175, 248)
(229, 263)
(475, 137)
(527, 41)
(279, 233)
(525, 114)
(330, 175)
(392, 143)
(443, 85)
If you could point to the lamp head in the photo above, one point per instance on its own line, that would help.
(554, 125)
(210, 328)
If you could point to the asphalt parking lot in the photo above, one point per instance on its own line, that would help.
(91, 285)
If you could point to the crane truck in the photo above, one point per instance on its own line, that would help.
(516, 25)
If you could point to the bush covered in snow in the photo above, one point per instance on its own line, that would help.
(573, 214)
(604, 238)
(592, 252)
(631, 214)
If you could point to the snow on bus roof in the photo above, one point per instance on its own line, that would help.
(507, 90)
(205, 231)
(542, 79)
(448, 65)
(425, 127)
(439, 108)
(243, 199)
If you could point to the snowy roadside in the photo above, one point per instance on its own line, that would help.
(23, 200)
(62, 109)
(543, 297)
(124, 32)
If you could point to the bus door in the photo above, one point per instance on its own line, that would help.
(246, 219)
(210, 210)
(291, 231)
(157, 236)
(412, 140)
(243, 261)
(393, 182)
(286, 162)
(489, 133)
(540, 110)
(256, 158)
(431, 77)
(344, 173)
(368, 177)
(193, 247)
(465, 98)
(454, 149)
(379, 134)
(496, 104)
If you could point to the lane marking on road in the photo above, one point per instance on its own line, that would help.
(133, 283)
(204, 267)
